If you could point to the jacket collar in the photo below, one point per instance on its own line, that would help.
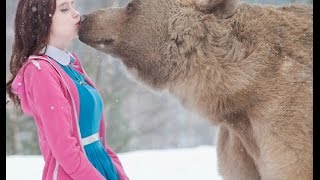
(61, 56)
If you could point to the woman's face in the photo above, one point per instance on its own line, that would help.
(65, 22)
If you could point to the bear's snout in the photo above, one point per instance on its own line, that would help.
(101, 29)
(83, 18)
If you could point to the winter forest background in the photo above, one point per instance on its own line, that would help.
(137, 117)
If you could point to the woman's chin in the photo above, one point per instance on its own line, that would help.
(76, 35)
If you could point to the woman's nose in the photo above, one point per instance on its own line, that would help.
(83, 18)
(76, 14)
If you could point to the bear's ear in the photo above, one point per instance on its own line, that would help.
(221, 8)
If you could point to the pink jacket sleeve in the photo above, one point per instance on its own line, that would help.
(117, 163)
(53, 109)
(112, 154)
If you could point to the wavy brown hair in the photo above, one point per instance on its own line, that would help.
(31, 33)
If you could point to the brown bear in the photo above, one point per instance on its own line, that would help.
(247, 68)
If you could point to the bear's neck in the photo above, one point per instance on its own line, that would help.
(211, 98)
(222, 74)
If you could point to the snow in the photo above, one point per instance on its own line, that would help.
(170, 164)
(34, 9)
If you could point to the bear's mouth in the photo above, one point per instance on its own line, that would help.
(98, 41)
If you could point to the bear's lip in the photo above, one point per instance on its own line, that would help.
(105, 41)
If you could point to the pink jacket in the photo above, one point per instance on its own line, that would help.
(49, 95)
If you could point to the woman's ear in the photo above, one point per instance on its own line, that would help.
(220, 8)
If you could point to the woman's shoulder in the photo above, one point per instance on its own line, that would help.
(39, 67)
(33, 73)
(38, 64)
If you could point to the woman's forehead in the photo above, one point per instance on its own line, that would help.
(62, 2)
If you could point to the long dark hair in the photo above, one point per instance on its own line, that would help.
(31, 33)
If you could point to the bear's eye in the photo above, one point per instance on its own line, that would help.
(130, 8)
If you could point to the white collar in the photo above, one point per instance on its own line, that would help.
(61, 56)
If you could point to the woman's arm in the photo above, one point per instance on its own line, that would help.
(113, 155)
(117, 163)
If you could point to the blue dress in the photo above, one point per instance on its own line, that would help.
(91, 107)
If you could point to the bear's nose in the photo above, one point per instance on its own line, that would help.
(83, 18)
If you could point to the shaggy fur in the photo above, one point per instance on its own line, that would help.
(246, 68)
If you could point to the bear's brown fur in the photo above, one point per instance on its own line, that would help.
(246, 68)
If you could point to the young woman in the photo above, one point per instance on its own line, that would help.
(49, 83)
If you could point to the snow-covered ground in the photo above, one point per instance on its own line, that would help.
(171, 164)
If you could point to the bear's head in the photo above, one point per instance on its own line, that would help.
(157, 40)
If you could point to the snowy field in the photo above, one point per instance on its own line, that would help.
(171, 164)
